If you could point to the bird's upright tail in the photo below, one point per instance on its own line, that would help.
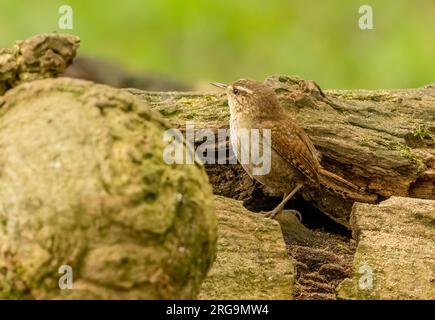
(340, 185)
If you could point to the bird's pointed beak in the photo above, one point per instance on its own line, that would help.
(219, 85)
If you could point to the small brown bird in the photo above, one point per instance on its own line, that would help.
(294, 159)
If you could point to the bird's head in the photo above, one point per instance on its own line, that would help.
(249, 96)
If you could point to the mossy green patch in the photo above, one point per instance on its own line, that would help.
(422, 132)
(407, 153)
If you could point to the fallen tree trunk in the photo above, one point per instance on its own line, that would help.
(381, 140)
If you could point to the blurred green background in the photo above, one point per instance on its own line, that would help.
(222, 40)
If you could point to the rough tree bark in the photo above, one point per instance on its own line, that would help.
(381, 140)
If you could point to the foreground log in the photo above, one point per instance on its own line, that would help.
(381, 140)
(84, 188)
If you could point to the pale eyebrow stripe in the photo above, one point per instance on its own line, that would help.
(244, 89)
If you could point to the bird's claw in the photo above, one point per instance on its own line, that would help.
(269, 214)
(273, 213)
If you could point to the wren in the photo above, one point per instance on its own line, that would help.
(294, 159)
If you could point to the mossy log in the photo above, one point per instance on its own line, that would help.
(381, 140)
(83, 184)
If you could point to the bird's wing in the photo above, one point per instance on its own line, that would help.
(306, 139)
(294, 145)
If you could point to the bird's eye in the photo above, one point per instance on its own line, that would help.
(235, 91)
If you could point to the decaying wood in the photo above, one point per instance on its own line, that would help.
(39, 57)
(381, 140)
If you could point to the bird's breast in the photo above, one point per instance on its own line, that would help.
(252, 153)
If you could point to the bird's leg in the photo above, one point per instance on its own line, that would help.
(278, 209)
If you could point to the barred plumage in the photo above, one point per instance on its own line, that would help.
(295, 160)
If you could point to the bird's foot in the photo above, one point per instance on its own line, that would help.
(270, 214)
(273, 213)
